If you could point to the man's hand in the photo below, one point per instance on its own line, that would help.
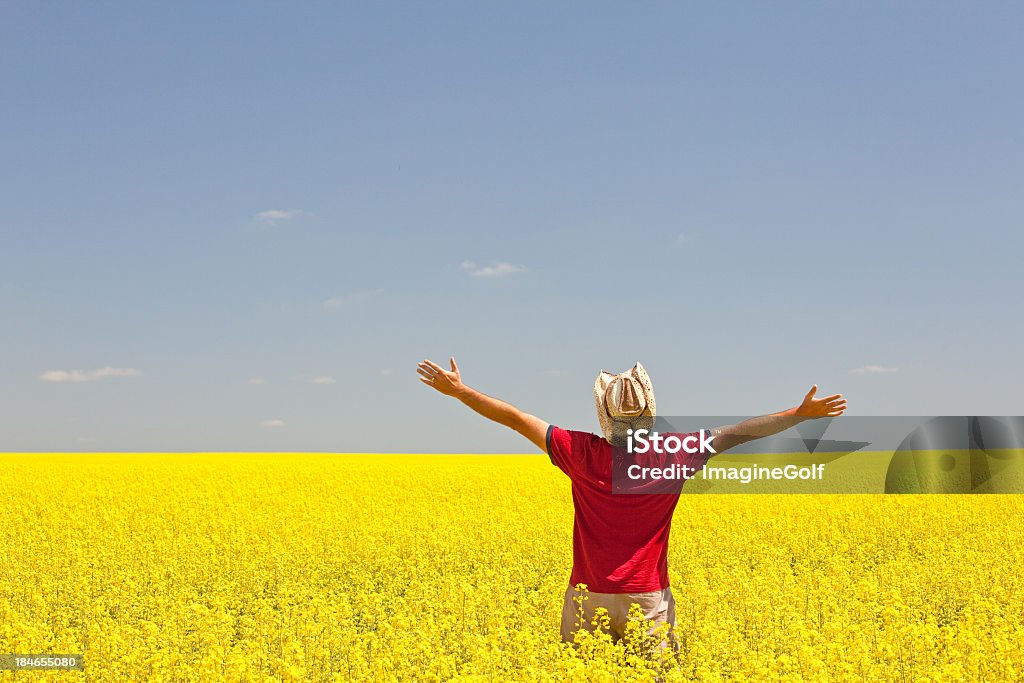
(447, 382)
(767, 425)
(812, 407)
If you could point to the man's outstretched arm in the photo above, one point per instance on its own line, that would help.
(758, 427)
(449, 383)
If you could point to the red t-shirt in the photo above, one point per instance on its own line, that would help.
(619, 540)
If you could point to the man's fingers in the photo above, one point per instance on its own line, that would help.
(810, 394)
(829, 399)
(427, 382)
(434, 366)
(455, 368)
(431, 368)
(425, 375)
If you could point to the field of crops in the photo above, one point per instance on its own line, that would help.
(206, 567)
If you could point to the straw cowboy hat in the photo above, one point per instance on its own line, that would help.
(624, 401)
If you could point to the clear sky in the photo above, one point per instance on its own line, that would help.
(240, 225)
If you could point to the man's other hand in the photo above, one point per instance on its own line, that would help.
(448, 382)
(830, 406)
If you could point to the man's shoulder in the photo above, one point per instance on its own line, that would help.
(571, 441)
(579, 432)
(575, 434)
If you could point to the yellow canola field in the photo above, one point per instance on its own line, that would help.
(330, 567)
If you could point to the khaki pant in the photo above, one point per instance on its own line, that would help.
(658, 606)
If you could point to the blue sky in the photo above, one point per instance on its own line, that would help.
(240, 225)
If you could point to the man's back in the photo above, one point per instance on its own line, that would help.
(620, 540)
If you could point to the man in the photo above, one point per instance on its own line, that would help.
(620, 539)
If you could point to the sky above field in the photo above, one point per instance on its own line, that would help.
(238, 226)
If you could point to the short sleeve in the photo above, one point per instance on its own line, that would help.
(562, 449)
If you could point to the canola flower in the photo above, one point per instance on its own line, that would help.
(327, 567)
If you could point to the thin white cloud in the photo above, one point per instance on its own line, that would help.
(682, 239)
(256, 381)
(322, 380)
(351, 299)
(499, 269)
(274, 216)
(87, 375)
(387, 372)
(873, 370)
(273, 423)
